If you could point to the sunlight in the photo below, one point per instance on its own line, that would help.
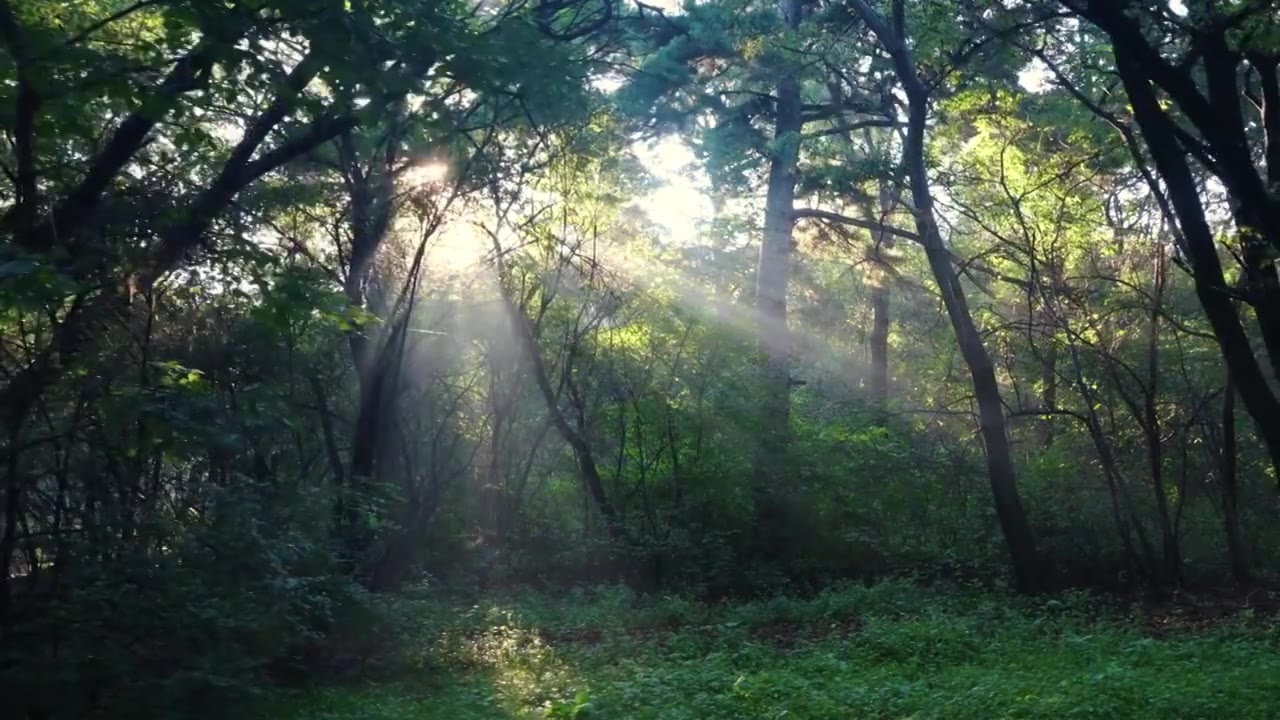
(691, 293)
(667, 6)
(608, 82)
(455, 250)
(459, 249)
(426, 174)
(1034, 78)
(681, 204)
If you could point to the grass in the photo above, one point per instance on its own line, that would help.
(889, 651)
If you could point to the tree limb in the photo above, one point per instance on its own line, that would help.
(826, 216)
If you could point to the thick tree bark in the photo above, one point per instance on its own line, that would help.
(772, 278)
(1269, 78)
(1264, 294)
(991, 419)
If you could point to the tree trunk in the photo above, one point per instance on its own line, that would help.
(1049, 392)
(879, 343)
(1264, 295)
(1230, 500)
(376, 353)
(1171, 555)
(1218, 119)
(773, 272)
(13, 497)
(991, 419)
(1202, 252)
(890, 196)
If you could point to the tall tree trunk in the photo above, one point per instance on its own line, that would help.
(375, 352)
(991, 419)
(879, 343)
(773, 272)
(889, 198)
(1048, 392)
(1171, 555)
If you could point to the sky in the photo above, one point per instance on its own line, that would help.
(681, 203)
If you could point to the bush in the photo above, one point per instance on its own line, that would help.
(181, 621)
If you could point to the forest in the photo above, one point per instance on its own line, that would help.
(681, 359)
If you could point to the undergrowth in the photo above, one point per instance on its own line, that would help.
(894, 650)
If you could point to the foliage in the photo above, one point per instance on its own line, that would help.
(889, 649)
(306, 306)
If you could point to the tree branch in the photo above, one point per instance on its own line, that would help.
(831, 217)
(78, 206)
(850, 127)
(178, 240)
(114, 17)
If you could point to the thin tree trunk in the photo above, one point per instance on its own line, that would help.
(13, 498)
(1230, 499)
(588, 469)
(1171, 555)
(1049, 393)
(332, 453)
(991, 419)
(1126, 515)
(889, 197)
(1049, 357)
(879, 343)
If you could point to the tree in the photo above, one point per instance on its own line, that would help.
(1205, 123)
(1000, 466)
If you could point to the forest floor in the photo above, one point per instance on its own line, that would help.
(893, 650)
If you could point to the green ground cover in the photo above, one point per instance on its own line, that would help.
(890, 651)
